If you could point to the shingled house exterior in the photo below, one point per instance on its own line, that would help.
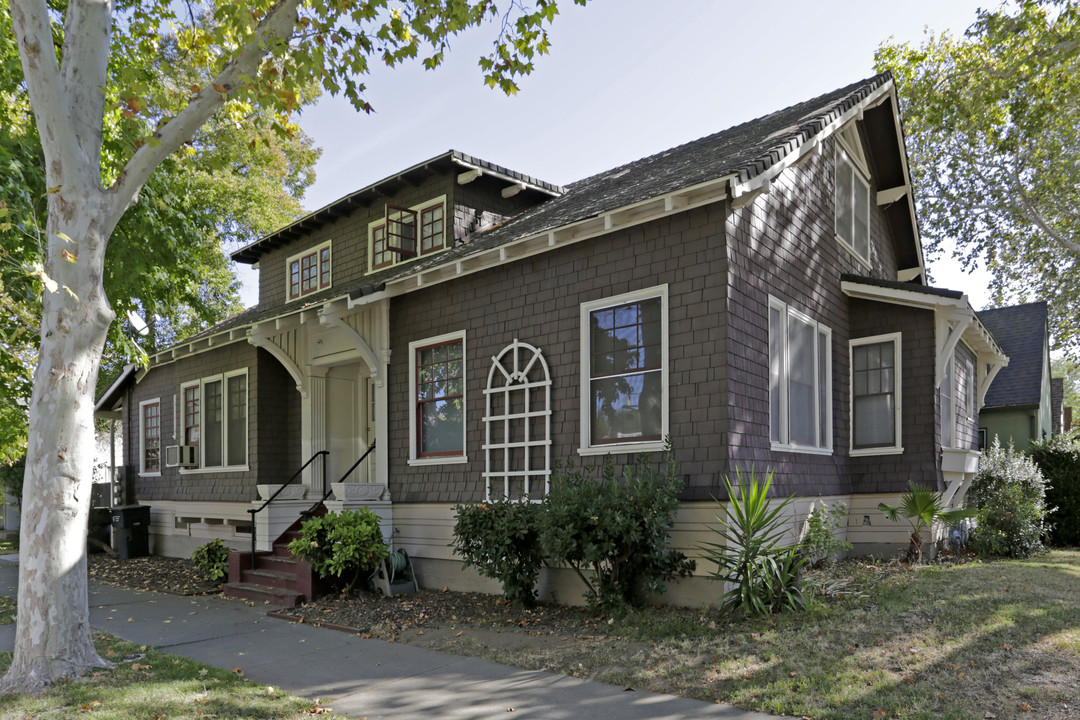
(758, 296)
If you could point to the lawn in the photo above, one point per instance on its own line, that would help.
(961, 642)
(145, 684)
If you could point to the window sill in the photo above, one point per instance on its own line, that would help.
(776, 447)
(854, 253)
(623, 448)
(447, 460)
(207, 471)
(866, 452)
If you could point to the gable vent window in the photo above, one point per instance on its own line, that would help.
(406, 233)
(309, 271)
(852, 200)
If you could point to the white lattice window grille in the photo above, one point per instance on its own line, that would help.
(517, 419)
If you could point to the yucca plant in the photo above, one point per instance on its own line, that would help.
(766, 570)
(921, 507)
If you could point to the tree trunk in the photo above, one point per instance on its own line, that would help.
(53, 637)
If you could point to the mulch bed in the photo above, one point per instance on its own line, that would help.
(177, 576)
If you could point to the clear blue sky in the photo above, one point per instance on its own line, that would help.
(624, 79)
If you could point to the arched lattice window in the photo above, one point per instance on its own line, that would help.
(517, 445)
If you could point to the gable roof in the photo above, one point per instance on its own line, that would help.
(1021, 332)
(733, 163)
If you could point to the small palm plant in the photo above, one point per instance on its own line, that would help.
(765, 570)
(921, 508)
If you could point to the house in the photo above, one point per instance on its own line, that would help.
(1019, 406)
(759, 296)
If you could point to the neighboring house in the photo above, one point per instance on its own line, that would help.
(1019, 407)
(757, 295)
(1057, 401)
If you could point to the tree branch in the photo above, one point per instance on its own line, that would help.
(1036, 217)
(33, 33)
(84, 73)
(277, 26)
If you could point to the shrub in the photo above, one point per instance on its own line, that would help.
(822, 542)
(922, 507)
(502, 541)
(1010, 494)
(765, 571)
(615, 528)
(341, 546)
(212, 559)
(11, 479)
(1058, 459)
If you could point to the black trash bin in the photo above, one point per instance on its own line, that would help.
(131, 531)
(98, 529)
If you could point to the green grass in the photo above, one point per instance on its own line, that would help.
(7, 610)
(9, 546)
(146, 684)
(952, 642)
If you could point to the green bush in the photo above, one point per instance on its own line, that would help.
(1058, 460)
(11, 478)
(341, 546)
(765, 570)
(1010, 494)
(822, 541)
(922, 507)
(502, 541)
(616, 529)
(212, 559)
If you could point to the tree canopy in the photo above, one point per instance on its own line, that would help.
(992, 124)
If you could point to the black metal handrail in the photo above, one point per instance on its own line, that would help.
(330, 490)
(320, 453)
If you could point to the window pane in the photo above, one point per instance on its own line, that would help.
(191, 416)
(441, 426)
(802, 411)
(948, 407)
(875, 421)
(874, 401)
(824, 417)
(776, 363)
(152, 438)
(440, 385)
(237, 423)
(861, 227)
(843, 198)
(212, 424)
(627, 408)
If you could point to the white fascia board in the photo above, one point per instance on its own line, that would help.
(910, 298)
(550, 238)
(99, 410)
(470, 168)
(762, 179)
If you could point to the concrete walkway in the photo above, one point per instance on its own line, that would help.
(360, 678)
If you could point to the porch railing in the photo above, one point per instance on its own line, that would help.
(330, 488)
(320, 454)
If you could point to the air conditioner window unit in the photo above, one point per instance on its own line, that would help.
(181, 456)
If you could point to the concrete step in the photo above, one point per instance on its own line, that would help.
(263, 594)
(270, 578)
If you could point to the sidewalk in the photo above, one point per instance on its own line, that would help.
(360, 678)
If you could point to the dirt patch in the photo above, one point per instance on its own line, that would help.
(178, 576)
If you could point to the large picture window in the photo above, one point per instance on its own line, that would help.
(624, 372)
(150, 437)
(215, 415)
(800, 387)
(309, 272)
(437, 374)
(875, 394)
(851, 195)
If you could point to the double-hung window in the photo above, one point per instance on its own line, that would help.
(150, 437)
(407, 233)
(948, 406)
(215, 419)
(851, 195)
(624, 351)
(437, 412)
(800, 385)
(309, 271)
(875, 395)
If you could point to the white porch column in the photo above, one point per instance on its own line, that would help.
(382, 435)
(313, 417)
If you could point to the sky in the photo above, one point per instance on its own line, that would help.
(624, 79)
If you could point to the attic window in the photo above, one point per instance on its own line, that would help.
(851, 195)
(406, 233)
(308, 272)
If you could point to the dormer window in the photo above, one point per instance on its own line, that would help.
(851, 194)
(308, 272)
(406, 233)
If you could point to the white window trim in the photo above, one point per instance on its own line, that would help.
(200, 383)
(897, 447)
(463, 458)
(586, 447)
(842, 154)
(317, 249)
(142, 440)
(418, 209)
(950, 378)
(969, 368)
(784, 446)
